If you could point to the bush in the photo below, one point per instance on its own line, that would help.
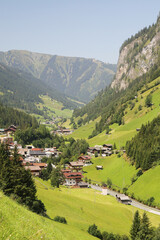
(60, 219)
(93, 230)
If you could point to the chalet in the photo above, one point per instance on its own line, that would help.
(35, 170)
(72, 178)
(85, 159)
(138, 129)
(7, 140)
(123, 199)
(62, 131)
(99, 167)
(41, 165)
(108, 146)
(76, 166)
(37, 152)
(11, 129)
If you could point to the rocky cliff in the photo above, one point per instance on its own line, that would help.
(138, 55)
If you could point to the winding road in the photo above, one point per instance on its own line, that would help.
(133, 203)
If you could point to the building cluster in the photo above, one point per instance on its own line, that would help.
(73, 174)
(102, 150)
(63, 131)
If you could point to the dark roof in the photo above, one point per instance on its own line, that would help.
(73, 175)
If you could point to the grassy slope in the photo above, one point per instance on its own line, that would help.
(117, 169)
(83, 207)
(133, 119)
(18, 223)
(148, 185)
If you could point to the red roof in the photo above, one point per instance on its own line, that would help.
(40, 164)
(86, 157)
(73, 175)
(37, 149)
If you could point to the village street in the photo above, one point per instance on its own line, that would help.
(133, 203)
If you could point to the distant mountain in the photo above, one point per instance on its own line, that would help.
(21, 90)
(79, 78)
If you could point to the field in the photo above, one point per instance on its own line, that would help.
(148, 185)
(52, 108)
(18, 223)
(83, 207)
(117, 169)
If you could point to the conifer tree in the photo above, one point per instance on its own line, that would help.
(135, 228)
(146, 231)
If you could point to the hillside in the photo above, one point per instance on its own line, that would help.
(79, 78)
(138, 55)
(21, 90)
(10, 116)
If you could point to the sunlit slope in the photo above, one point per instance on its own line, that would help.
(17, 223)
(148, 185)
(115, 168)
(83, 207)
(133, 119)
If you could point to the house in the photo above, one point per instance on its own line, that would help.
(85, 159)
(123, 199)
(35, 170)
(72, 178)
(41, 165)
(108, 146)
(76, 166)
(37, 152)
(7, 140)
(99, 167)
(11, 129)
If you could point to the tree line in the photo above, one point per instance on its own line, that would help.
(141, 229)
(17, 182)
(144, 148)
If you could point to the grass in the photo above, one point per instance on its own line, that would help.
(52, 108)
(148, 185)
(117, 169)
(85, 130)
(83, 207)
(18, 223)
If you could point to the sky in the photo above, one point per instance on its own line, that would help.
(78, 28)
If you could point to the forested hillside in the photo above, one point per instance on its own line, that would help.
(22, 90)
(142, 149)
(9, 116)
(79, 78)
(111, 105)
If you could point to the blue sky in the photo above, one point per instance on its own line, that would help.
(81, 28)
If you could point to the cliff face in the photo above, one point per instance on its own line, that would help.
(138, 55)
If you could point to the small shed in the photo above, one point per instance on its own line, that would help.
(83, 185)
(99, 167)
(123, 199)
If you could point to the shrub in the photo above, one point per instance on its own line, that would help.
(60, 219)
(93, 230)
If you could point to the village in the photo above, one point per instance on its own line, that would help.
(32, 158)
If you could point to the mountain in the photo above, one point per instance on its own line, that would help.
(138, 66)
(21, 90)
(138, 55)
(79, 78)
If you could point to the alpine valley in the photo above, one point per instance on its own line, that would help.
(104, 152)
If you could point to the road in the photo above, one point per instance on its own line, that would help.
(133, 203)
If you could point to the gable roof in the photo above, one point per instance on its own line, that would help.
(73, 175)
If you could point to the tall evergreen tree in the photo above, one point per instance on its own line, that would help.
(135, 228)
(146, 231)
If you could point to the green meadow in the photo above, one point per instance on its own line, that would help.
(115, 168)
(147, 185)
(83, 207)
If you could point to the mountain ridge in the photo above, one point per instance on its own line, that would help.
(79, 78)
